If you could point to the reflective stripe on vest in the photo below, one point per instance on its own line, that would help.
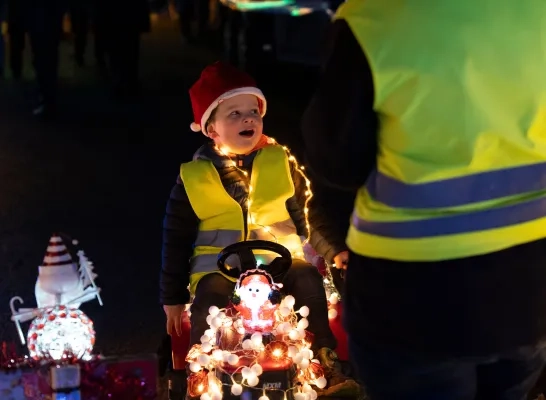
(225, 237)
(455, 224)
(221, 217)
(461, 163)
(460, 191)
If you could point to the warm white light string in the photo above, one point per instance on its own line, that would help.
(288, 332)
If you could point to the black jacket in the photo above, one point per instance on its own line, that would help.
(181, 224)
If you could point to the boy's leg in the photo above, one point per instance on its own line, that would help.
(304, 282)
(389, 374)
(212, 290)
(511, 376)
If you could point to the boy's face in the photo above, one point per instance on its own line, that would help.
(237, 125)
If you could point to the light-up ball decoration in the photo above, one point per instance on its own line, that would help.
(59, 331)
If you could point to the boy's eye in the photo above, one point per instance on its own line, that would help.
(255, 111)
(234, 113)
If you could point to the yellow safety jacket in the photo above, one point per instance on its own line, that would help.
(221, 217)
(460, 91)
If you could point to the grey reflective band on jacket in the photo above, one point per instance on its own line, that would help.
(218, 238)
(224, 237)
(453, 224)
(221, 238)
(454, 192)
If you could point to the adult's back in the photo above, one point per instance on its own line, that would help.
(460, 92)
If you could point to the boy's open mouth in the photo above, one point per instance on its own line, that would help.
(247, 133)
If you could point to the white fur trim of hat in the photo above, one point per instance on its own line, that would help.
(232, 93)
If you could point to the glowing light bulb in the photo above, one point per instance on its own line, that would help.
(247, 344)
(233, 359)
(214, 311)
(298, 358)
(303, 323)
(304, 311)
(307, 353)
(304, 364)
(257, 369)
(292, 351)
(216, 396)
(210, 333)
(277, 353)
(195, 367)
(252, 381)
(332, 313)
(320, 382)
(294, 334)
(218, 355)
(206, 347)
(256, 339)
(284, 311)
(203, 359)
(236, 389)
(289, 301)
(246, 372)
(216, 323)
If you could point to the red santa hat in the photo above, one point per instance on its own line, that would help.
(258, 278)
(218, 82)
(57, 254)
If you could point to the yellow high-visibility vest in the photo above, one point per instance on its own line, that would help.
(460, 91)
(221, 217)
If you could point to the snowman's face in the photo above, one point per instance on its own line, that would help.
(255, 292)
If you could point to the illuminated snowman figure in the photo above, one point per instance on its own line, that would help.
(256, 298)
(58, 326)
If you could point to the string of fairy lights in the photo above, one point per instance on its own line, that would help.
(245, 355)
(332, 293)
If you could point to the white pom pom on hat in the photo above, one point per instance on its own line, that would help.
(195, 127)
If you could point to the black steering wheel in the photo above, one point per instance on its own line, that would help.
(248, 260)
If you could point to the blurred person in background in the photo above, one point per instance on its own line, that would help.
(45, 22)
(119, 24)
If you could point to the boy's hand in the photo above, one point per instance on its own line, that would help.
(174, 318)
(341, 260)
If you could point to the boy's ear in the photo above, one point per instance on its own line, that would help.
(211, 132)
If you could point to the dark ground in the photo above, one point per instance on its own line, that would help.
(102, 173)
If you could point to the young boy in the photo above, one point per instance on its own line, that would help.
(241, 185)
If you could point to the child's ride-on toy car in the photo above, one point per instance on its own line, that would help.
(257, 348)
